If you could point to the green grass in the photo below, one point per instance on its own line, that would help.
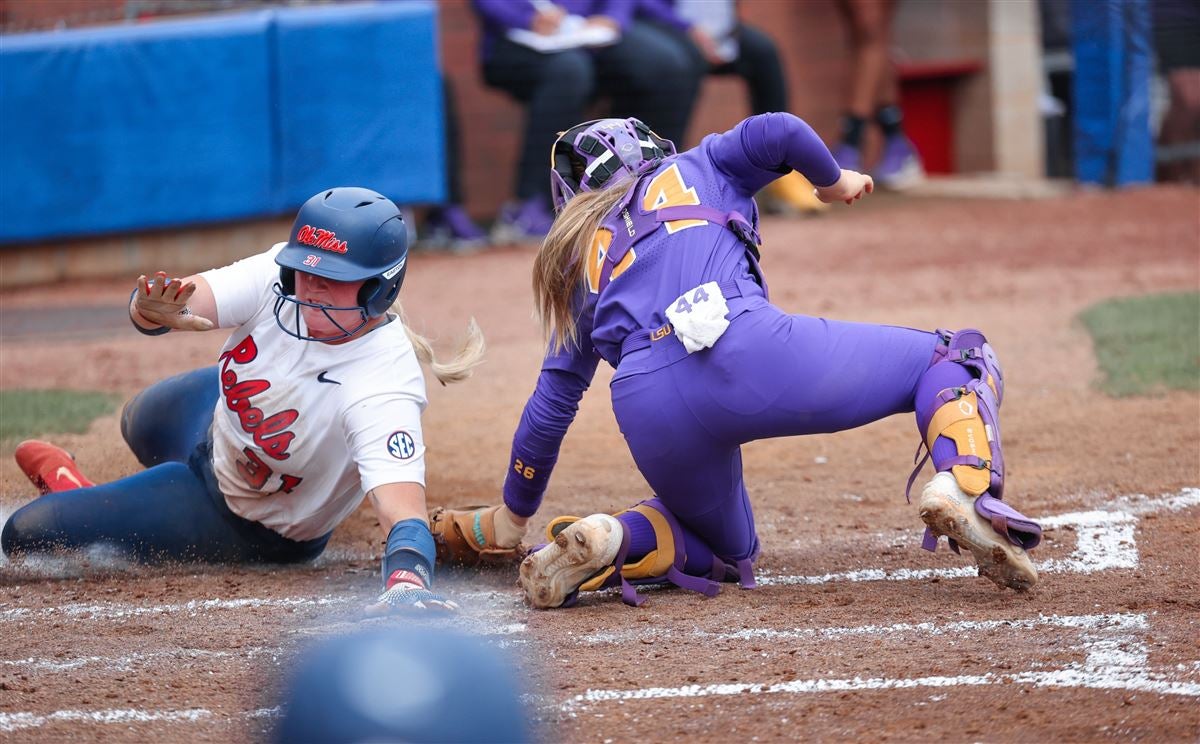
(1147, 344)
(26, 414)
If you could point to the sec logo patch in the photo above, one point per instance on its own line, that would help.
(401, 446)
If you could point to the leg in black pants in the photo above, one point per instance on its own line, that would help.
(555, 89)
(758, 64)
(652, 77)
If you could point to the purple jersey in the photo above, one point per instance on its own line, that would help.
(722, 173)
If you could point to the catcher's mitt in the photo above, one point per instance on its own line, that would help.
(467, 537)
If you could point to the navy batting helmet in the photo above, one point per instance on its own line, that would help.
(411, 683)
(346, 234)
(588, 155)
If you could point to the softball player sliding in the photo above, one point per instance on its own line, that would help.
(652, 265)
(316, 399)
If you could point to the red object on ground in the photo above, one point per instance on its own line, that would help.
(50, 468)
(927, 97)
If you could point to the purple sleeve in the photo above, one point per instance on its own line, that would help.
(544, 422)
(505, 14)
(620, 11)
(662, 11)
(765, 147)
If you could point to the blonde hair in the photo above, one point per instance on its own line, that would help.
(560, 269)
(469, 356)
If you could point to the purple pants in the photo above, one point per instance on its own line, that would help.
(770, 375)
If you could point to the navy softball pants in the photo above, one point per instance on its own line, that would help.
(173, 510)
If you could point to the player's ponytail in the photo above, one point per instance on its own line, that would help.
(469, 356)
(559, 267)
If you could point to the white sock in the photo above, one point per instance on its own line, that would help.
(508, 532)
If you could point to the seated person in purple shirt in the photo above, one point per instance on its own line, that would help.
(720, 43)
(644, 74)
(652, 265)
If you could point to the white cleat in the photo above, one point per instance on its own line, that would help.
(577, 553)
(948, 511)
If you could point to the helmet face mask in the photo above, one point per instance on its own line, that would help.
(344, 234)
(292, 326)
(590, 155)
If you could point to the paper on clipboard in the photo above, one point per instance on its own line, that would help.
(573, 32)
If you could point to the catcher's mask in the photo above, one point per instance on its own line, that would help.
(346, 234)
(589, 155)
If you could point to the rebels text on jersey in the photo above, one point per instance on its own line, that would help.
(303, 429)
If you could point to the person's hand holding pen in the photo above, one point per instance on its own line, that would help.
(547, 17)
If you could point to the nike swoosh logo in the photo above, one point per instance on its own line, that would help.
(322, 378)
(65, 472)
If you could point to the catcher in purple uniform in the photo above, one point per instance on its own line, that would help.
(652, 265)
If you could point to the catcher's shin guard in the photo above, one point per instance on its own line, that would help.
(968, 416)
(664, 564)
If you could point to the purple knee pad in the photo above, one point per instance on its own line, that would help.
(969, 347)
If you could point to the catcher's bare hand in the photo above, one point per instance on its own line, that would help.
(164, 302)
(850, 186)
(405, 597)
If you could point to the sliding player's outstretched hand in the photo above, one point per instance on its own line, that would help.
(164, 301)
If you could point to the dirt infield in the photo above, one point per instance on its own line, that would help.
(855, 633)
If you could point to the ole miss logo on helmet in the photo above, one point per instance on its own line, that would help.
(326, 240)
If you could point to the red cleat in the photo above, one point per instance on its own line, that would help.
(50, 468)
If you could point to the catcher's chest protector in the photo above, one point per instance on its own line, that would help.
(629, 224)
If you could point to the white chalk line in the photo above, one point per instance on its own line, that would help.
(1109, 665)
(835, 633)
(128, 662)
(1104, 540)
(1116, 659)
(120, 611)
(10, 722)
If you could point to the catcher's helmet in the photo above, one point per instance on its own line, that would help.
(588, 155)
(345, 234)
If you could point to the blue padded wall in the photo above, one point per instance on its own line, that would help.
(228, 117)
(129, 128)
(360, 102)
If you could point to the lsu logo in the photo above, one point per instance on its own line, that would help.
(326, 240)
(401, 446)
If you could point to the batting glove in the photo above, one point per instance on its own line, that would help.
(407, 593)
(164, 301)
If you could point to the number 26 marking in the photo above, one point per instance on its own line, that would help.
(525, 471)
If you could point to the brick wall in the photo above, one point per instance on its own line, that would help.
(813, 44)
(809, 34)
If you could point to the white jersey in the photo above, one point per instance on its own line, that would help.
(303, 429)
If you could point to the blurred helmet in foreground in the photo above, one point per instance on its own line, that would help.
(410, 684)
